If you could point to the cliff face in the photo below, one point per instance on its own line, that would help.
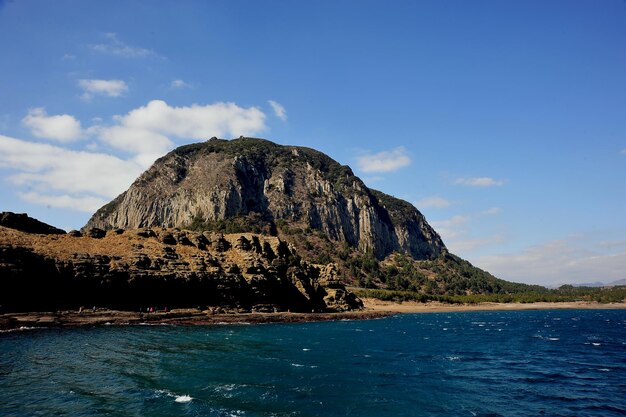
(254, 179)
(162, 267)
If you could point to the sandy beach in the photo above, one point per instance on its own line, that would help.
(372, 304)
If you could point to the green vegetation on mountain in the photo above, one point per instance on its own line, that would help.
(566, 293)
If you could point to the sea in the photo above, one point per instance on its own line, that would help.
(499, 363)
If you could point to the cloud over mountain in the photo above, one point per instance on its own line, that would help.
(385, 161)
(62, 127)
(83, 180)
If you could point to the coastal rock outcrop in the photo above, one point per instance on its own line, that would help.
(162, 267)
(21, 221)
(253, 184)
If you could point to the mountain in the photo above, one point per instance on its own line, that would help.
(255, 184)
(307, 199)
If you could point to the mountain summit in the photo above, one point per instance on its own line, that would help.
(257, 185)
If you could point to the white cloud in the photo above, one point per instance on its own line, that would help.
(612, 244)
(47, 167)
(464, 234)
(84, 180)
(279, 110)
(62, 127)
(135, 140)
(558, 262)
(385, 161)
(479, 182)
(179, 84)
(492, 211)
(468, 245)
(109, 88)
(434, 201)
(149, 129)
(116, 47)
(451, 228)
(372, 179)
(87, 204)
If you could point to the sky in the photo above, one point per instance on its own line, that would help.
(503, 122)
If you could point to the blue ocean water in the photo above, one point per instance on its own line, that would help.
(514, 363)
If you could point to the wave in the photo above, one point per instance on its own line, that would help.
(183, 399)
(177, 398)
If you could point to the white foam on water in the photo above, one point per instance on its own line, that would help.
(596, 344)
(553, 338)
(305, 349)
(603, 370)
(297, 365)
(183, 399)
(227, 387)
(22, 328)
(177, 398)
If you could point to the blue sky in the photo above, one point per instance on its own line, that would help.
(504, 122)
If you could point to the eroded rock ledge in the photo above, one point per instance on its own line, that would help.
(133, 269)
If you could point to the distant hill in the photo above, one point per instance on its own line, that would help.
(602, 284)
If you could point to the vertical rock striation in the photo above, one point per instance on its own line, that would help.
(262, 183)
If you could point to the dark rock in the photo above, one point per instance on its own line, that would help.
(21, 221)
(243, 244)
(96, 233)
(265, 308)
(168, 239)
(146, 233)
(222, 245)
(199, 241)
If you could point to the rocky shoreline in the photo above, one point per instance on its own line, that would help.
(374, 309)
(106, 317)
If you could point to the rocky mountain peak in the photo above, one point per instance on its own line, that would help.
(259, 185)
